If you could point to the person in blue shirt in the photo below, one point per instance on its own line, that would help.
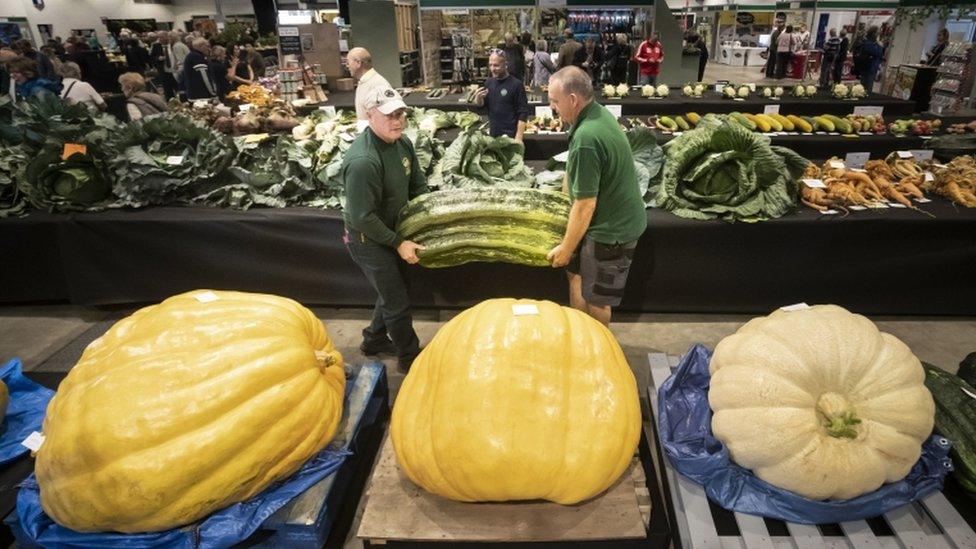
(503, 97)
(868, 58)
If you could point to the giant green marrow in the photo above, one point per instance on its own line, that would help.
(511, 225)
(955, 417)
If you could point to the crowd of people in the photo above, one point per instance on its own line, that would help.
(159, 66)
(605, 59)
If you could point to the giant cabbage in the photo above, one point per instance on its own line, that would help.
(476, 159)
(12, 159)
(166, 160)
(76, 183)
(722, 170)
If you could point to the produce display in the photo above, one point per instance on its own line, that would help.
(881, 182)
(804, 92)
(722, 170)
(843, 91)
(191, 405)
(509, 225)
(615, 92)
(537, 124)
(914, 127)
(475, 158)
(955, 413)
(946, 147)
(955, 181)
(517, 400)
(693, 89)
(650, 91)
(254, 94)
(742, 91)
(819, 402)
(771, 91)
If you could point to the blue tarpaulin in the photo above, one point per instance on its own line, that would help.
(221, 529)
(685, 424)
(25, 411)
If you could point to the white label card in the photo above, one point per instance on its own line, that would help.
(174, 160)
(520, 309)
(829, 212)
(206, 297)
(795, 307)
(719, 87)
(561, 157)
(33, 441)
(245, 107)
(905, 154)
(348, 138)
(615, 110)
(897, 205)
(329, 110)
(859, 170)
(738, 99)
(857, 159)
(771, 109)
(929, 177)
(837, 164)
(814, 183)
(922, 155)
(543, 112)
(922, 200)
(857, 208)
(868, 111)
(865, 133)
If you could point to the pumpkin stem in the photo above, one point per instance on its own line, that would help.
(325, 358)
(840, 418)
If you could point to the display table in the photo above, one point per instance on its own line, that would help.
(675, 103)
(892, 261)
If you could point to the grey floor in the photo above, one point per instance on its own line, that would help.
(52, 337)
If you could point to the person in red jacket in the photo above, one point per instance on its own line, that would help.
(649, 55)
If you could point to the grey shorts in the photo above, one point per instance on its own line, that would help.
(603, 269)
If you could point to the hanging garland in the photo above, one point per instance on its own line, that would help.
(917, 16)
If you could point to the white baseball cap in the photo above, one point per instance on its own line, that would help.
(385, 99)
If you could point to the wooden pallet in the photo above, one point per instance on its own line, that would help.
(398, 512)
(932, 523)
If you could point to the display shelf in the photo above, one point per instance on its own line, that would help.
(933, 521)
(954, 79)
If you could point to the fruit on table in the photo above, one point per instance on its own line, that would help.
(609, 90)
(800, 123)
(913, 126)
(841, 91)
(743, 92)
(858, 91)
(778, 91)
(647, 90)
(662, 90)
(693, 118)
(623, 90)
(186, 407)
(517, 400)
(728, 92)
(666, 123)
(811, 91)
(799, 91)
(819, 402)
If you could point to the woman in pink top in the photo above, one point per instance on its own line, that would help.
(784, 51)
(649, 55)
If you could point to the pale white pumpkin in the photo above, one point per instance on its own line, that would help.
(819, 402)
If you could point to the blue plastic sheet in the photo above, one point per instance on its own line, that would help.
(685, 424)
(221, 529)
(25, 411)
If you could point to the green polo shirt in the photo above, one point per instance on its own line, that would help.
(601, 165)
(379, 179)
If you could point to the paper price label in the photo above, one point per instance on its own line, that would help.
(738, 99)
(34, 441)
(814, 183)
(200, 103)
(857, 159)
(878, 206)
(868, 111)
(245, 107)
(837, 164)
(329, 110)
(719, 87)
(73, 148)
(829, 212)
(174, 160)
(865, 133)
(206, 297)
(929, 177)
(897, 205)
(859, 170)
(771, 109)
(615, 110)
(833, 133)
(922, 155)
(348, 138)
(561, 157)
(543, 112)
(521, 309)
(922, 200)
(752, 86)
(857, 208)
(905, 154)
(795, 307)
(256, 137)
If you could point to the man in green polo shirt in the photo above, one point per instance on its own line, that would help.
(381, 173)
(608, 214)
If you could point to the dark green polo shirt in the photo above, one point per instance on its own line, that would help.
(601, 165)
(379, 179)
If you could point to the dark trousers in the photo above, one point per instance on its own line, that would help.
(782, 60)
(701, 68)
(771, 64)
(838, 70)
(166, 80)
(391, 315)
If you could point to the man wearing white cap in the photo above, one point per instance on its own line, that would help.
(381, 173)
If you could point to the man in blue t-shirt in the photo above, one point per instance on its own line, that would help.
(503, 96)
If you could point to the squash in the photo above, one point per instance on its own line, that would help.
(186, 407)
(505, 406)
(955, 415)
(819, 402)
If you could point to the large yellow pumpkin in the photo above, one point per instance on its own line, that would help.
(186, 407)
(508, 406)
